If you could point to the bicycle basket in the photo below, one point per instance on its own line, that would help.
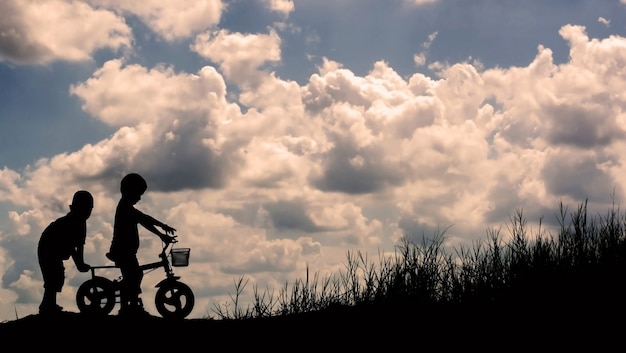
(180, 257)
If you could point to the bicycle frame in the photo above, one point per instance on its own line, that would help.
(164, 262)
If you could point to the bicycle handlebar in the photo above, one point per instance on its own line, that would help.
(163, 253)
(166, 243)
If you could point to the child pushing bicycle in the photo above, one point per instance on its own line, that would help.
(125, 242)
(62, 239)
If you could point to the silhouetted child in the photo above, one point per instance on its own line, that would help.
(125, 241)
(61, 239)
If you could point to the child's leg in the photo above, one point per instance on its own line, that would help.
(137, 289)
(53, 274)
(49, 298)
(131, 283)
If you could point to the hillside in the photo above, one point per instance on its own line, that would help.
(339, 329)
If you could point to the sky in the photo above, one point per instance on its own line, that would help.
(277, 136)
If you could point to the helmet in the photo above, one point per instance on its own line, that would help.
(133, 183)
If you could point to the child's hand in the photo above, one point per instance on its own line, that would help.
(168, 229)
(168, 238)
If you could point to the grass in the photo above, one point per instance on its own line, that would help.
(581, 266)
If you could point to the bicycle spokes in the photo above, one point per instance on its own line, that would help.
(96, 296)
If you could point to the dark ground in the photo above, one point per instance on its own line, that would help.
(386, 329)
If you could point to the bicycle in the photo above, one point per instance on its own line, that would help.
(173, 299)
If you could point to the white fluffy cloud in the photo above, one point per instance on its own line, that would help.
(171, 19)
(306, 171)
(39, 32)
(43, 31)
(282, 6)
(239, 55)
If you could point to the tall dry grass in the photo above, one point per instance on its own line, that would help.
(584, 262)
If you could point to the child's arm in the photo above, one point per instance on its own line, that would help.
(150, 223)
(79, 260)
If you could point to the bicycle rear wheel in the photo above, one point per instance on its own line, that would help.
(174, 299)
(96, 296)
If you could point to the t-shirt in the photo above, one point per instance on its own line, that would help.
(125, 233)
(63, 235)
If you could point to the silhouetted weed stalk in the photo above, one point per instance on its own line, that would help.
(584, 261)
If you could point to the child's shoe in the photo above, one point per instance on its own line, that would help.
(50, 309)
(133, 311)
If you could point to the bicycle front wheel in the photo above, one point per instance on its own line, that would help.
(174, 300)
(96, 296)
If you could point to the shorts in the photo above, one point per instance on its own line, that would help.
(53, 273)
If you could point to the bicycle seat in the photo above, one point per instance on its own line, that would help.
(110, 256)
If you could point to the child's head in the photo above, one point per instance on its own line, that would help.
(82, 204)
(133, 185)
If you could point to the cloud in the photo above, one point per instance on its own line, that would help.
(128, 95)
(40, 32)
(237, 249)
(282, 6)
(239, 55)
(274, 256)
(363, 135)
(579, 178)
(174, 121)
(579, 126)
(290, 215)
(171, 20)
(23, 249)
(419, 59)
(604, 21)
(431, 39)
(9, 180)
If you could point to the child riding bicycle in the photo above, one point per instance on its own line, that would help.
(125, 242)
